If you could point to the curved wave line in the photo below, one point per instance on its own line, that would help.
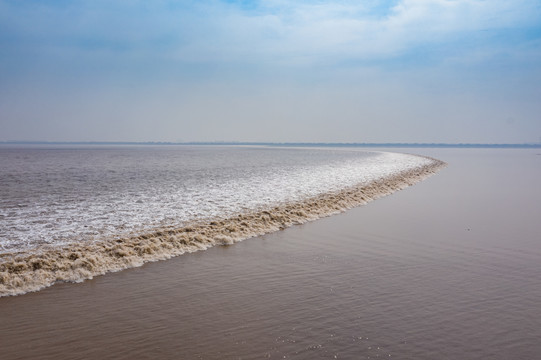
(22, 272)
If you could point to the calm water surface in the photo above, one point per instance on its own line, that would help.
(447, 269)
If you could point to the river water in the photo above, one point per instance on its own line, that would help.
(446, 269)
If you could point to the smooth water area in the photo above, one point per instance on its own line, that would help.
(446, 269)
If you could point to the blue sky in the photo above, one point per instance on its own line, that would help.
(336, 71)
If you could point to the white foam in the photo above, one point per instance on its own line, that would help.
(74, 215)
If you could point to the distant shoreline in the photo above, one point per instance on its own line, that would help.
(280, 144)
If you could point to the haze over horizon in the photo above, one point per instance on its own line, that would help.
(408, 71)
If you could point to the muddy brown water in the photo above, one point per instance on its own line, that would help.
(447, 269)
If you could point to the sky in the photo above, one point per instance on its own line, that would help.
(452, 71)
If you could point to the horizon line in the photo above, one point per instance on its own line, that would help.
(270, 143)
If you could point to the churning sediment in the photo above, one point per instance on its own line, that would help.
(21, 273)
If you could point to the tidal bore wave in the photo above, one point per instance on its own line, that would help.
(25, 272)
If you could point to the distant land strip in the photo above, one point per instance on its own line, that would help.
(282, 144)
(285, 144)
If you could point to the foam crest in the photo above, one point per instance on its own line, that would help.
(44, 266)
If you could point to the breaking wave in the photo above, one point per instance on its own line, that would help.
(76, 262)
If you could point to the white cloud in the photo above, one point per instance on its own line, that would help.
(306, 33)
(277, 31)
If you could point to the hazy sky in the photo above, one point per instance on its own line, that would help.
(332, 71)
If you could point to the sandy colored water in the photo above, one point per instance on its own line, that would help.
(447, 269)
